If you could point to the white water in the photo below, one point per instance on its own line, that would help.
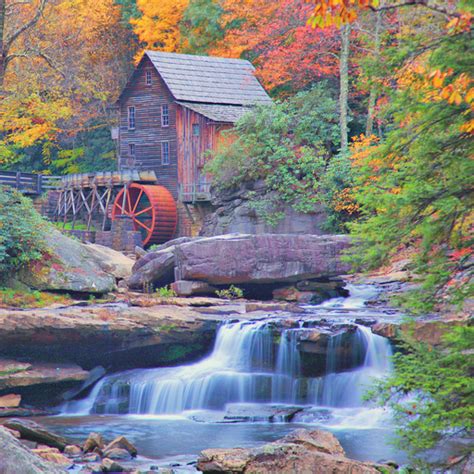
(247, 365)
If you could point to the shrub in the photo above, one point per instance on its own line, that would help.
(11, 298)
(165, 292)
(431, 391)
(287, 145)
(21, 232)
(231, 293)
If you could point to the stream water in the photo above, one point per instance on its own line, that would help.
(254, 387)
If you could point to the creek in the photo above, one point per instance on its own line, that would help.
(256, 385)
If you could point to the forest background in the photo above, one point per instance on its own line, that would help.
(373, 119)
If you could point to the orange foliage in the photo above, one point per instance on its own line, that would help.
(337, 12)
(434, 86)
(345, 201)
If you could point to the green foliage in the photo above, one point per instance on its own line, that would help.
(92, 150)
(415, 189)
(129, 10)
(68, 226)
(431, 391)
(286, 145)
(21, 232)
(201, 26)
(336, 178)
(165, 292)
(231, 293)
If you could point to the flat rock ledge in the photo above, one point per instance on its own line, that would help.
(302, 451)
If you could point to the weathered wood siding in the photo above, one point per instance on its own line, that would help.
(148, 133)
(192, 149)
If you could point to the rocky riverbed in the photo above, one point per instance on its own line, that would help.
(93, 358)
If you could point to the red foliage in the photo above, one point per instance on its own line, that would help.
(283, 47)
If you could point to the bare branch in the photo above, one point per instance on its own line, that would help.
(11, 6)
(9, 41)
(422, 3)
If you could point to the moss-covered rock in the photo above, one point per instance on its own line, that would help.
(67, 265)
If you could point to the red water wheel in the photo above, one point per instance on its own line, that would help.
(152, 209)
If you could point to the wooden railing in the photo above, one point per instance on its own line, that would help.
(29, 183)
(194, 192)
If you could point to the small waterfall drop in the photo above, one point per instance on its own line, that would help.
(346, 389)
(251, 362)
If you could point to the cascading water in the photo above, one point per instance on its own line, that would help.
(251, 362)
(346, 389)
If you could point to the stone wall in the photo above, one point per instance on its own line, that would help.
(191, 218)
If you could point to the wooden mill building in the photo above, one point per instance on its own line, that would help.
(174, 109)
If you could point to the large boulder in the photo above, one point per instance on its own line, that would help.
(154, 269)
(302, 451)
(260, 259)
(68, 266)
(15, 458)
(111, 261)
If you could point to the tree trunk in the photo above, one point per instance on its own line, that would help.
(373, 90)
(2, 51)
(344, 85)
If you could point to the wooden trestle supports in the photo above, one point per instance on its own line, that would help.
(83, 196)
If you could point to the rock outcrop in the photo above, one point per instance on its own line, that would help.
(37, 382)
(16, 458)
(114, 336)
(261, 259)
(111, 261)
(234, 212)
(266, 259)
(155, 268)
(69, 266)
(302, 451)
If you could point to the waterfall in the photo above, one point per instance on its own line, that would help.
(346, 389)
(251, 362)
(285, 381)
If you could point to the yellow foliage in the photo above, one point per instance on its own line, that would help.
(63, 70)
(158, 26)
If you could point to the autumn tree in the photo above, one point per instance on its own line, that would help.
(414, 187)
(32, 12)
(62, 72)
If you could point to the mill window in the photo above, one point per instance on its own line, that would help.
(131, 118)
(165, 115)
(148, 79)
(131, 149)
(196, 130)
(165, 153)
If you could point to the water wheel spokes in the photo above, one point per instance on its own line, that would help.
(152, 210)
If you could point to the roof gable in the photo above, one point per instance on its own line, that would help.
(209, 79)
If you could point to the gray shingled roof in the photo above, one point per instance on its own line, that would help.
(217, 112)
(209, 79)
